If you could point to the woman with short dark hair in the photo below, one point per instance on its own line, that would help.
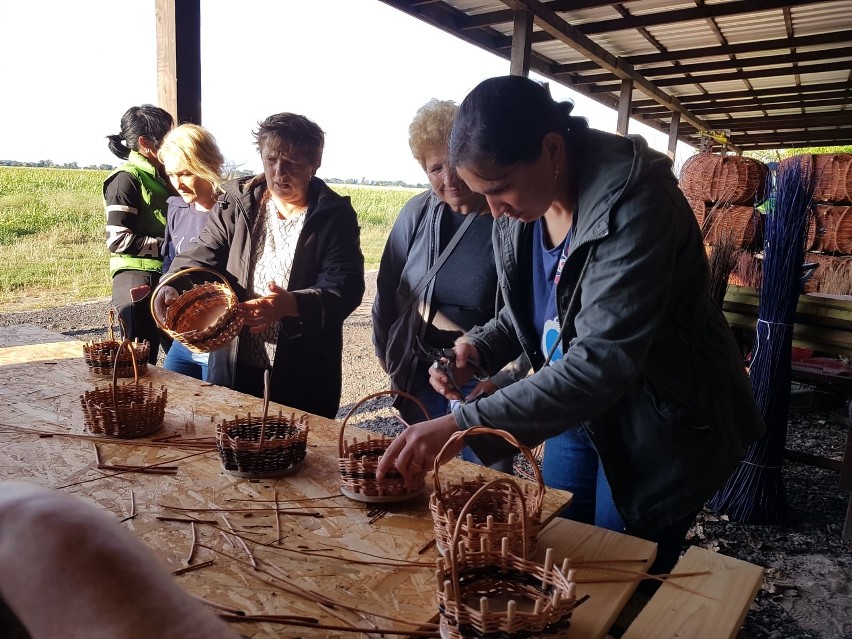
(290, 248)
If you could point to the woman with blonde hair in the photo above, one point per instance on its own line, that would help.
(193, 164)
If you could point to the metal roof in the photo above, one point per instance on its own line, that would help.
(775, 73)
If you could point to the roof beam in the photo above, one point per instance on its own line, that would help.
(780, 122)
(547, 20)
(720, 65)
(503, 16)
(770, 103)
(723, 10)
(758, 94)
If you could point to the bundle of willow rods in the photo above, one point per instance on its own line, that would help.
(755, 491)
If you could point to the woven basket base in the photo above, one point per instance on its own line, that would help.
(148, 431)
(275, 473)
(380, 499)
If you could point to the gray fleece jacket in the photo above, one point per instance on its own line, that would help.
(650, 361)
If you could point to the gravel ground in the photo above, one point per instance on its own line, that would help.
(806, 592)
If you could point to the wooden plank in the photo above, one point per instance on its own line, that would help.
(608, 558)
(23, 334)
(717, 612)
(343, 553)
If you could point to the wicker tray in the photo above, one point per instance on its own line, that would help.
(357, 462)
(498, 511)
(126, 411)
(495, 593)
(201, 309)
(265, 447)
(100, 357)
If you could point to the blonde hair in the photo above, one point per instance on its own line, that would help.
(431, 128)
(196, 148)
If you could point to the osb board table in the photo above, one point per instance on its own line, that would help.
(307, 541)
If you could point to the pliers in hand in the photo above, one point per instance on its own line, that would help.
(444, 360)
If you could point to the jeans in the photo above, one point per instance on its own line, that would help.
(571, 462)
(182, 360)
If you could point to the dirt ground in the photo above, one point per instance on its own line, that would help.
(807, 586)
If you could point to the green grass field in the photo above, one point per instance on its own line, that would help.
(52, 249)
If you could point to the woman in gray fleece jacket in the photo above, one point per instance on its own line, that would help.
(639, 388)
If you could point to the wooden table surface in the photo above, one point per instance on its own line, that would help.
(313, 543)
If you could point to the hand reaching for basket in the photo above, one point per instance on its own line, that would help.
(415, 449)
(260, 312)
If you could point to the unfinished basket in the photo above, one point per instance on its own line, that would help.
(497, 513)
(201, 309)
(496, 593)
(737, 224)
(100, 357)
(358, 461)
(126, 411)
(268, 447)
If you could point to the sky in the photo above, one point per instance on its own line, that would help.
(358, 68)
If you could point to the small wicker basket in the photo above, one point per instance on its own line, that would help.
(126, 411)
(269, 447)
(100, 357)
(358, 461)
(497, 513)
(203, 313)
(495, 593)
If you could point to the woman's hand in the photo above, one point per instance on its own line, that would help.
(414, 451)
(260, 312)
(165, 298)
(461, 372)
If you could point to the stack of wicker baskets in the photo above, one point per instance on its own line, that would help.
(493, 592)
(722, 191)
(829, 242)
(497, 514)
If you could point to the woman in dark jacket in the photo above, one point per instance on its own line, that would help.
(639, 387)
(290, 248)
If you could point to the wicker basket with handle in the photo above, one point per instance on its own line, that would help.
(489, 592)
(204, 315)
(358, 461)
(124, 411)
(100, 357)
(497, 513)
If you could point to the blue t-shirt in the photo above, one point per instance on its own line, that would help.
(184, 225)
(546, 264)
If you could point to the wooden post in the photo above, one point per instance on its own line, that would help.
(521, 43)
(624, 100)
(673, 134)
(179, 58)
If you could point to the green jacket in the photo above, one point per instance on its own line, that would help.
(136, 207)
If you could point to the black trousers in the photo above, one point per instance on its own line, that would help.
(137, 318)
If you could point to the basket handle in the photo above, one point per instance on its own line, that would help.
(165, 280)
(454, 544)
(129, 345)
(444, 456)
(266, 377)
(364, 400)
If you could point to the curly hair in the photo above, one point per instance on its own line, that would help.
(431, 128)
(292, 132)
(196, 149)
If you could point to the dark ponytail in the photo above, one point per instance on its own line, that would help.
(148, 120)
(503, 120)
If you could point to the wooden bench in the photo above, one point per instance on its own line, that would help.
(823, 323)
(707, 606)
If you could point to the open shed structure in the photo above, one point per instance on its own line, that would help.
(744, 74)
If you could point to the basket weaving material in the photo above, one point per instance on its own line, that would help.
(100, 356)
(496, 514)
(251, 447)
(741, 180)
(126, 411)
(495, 593)
(357, 462)
(203, 317)
(698, 207)
(699, 176)
(831, 174)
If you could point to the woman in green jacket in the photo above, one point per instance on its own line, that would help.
(135, 197)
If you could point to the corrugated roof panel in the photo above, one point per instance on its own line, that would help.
(821, 18)
(767, 25)
(684, 35)
(624, 43)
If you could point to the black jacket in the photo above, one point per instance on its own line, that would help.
(327, 280)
